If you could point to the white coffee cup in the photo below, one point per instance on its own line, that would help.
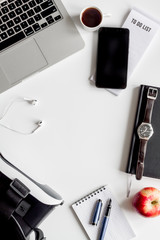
(91, 18)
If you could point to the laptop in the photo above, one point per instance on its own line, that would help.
(34, 34)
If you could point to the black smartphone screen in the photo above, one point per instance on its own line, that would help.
(112, 58)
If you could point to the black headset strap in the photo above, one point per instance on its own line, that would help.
(38, 232)
(14, 192)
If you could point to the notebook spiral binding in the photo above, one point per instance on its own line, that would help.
(80, 201)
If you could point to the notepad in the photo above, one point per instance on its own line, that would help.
(118, 226)
(142, 29)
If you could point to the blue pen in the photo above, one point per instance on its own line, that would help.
(97, 212)
(105, 221)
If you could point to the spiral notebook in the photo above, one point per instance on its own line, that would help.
(118, 227)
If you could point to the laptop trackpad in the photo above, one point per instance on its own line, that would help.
(22, 61)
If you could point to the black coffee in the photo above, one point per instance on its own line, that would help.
(91, 17)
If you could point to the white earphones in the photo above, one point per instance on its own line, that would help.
(39, 124)
(30, 101)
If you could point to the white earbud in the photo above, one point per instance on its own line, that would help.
(31, 101)
(39, 124)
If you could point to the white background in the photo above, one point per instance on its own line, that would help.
(84, 143)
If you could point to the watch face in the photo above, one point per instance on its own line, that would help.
(145, 131)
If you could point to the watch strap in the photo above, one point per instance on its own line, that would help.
(141, 157)
(151, 97)
(148, 111)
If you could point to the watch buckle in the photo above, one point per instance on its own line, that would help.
(152, 93)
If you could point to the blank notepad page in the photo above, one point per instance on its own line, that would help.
(118, 226)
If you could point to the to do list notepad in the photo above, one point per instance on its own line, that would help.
(142, 29)
(118, 226)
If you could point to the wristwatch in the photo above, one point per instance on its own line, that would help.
(145, 131)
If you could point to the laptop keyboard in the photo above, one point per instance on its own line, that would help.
(19, 19)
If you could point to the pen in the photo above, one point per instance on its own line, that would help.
(97, 212)
(105, 221)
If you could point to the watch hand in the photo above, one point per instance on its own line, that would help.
(144, 130)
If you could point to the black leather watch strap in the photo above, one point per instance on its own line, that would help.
(151, 97)
(141, 157)
(148, 111)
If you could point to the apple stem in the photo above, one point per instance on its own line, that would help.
(154, 202)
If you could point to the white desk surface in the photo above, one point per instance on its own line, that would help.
(85, 140)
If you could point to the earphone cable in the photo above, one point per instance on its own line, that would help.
(16, 131)
(8, 107)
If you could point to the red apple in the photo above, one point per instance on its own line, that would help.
(147, 202)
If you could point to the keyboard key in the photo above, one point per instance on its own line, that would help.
(3, 27)
(32, 4)
(48, 11)
(25, 7)
(4, 3)
(5, 18)
(30, 13)
(31, 21)
(37, 17)
(50, 19)
(12, 14)
(18, 11)
(17, 20)
(0, 13)
(0, 21)
(43, 25)
(46, 4)
(3, 35)
(39, 1)
(5, 10)
(10, 32)
(12, 40)
(18, 3)
(25, 1)
(24, 16)
(10, 23)
(28, 31)
(37, 9)
(17, 28)
(57, 17)
(11, 6)
(24, 24)
(36, 27)
(10, 1)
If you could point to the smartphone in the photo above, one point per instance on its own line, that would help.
(112, 57)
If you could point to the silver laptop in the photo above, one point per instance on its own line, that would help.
(34, 34)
